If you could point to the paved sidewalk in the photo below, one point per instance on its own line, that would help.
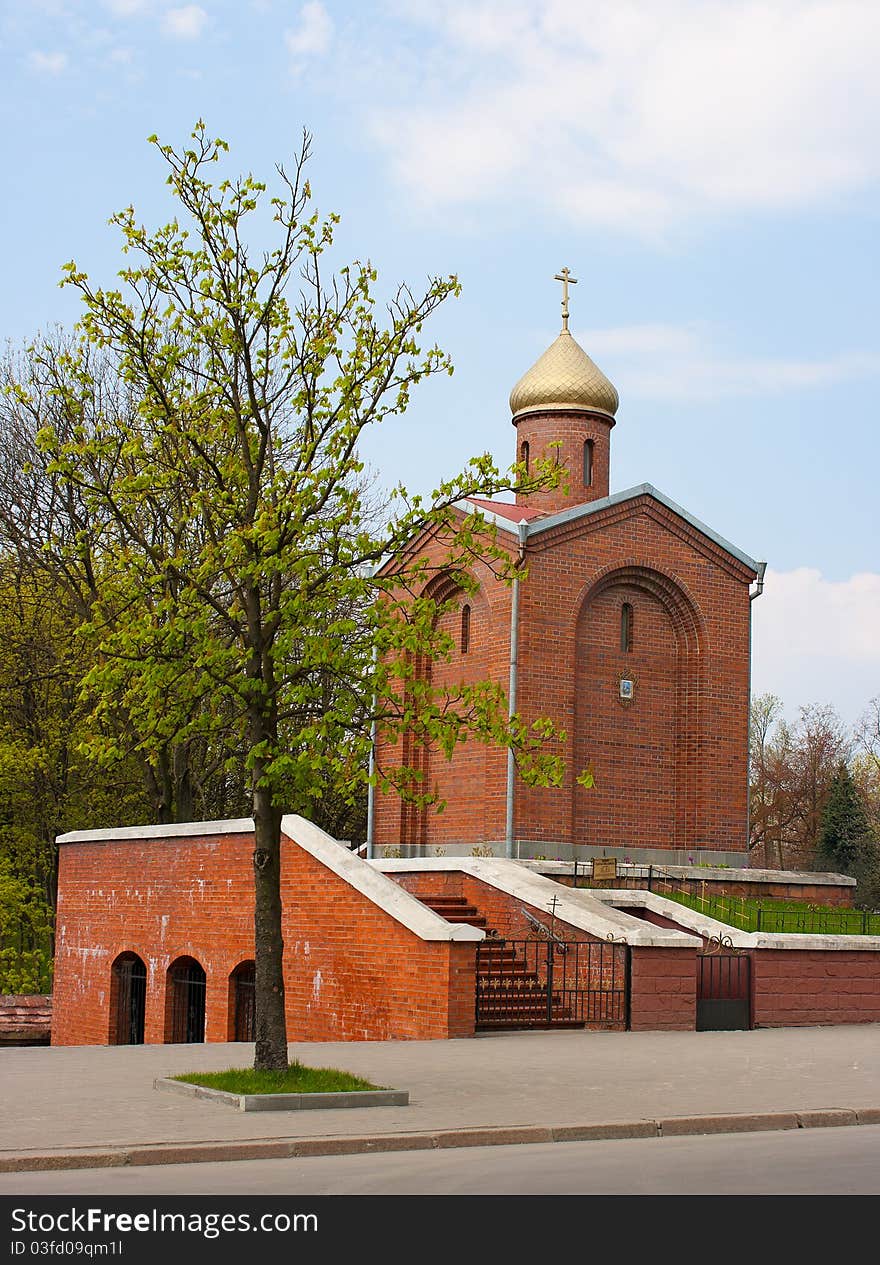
(74, 1107)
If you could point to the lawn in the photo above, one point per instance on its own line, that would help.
(296, 1079)
(781, 915)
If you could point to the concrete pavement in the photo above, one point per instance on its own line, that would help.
(87, 1107)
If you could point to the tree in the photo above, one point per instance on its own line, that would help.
(791, 768)
(46, 785)
(846, 844)
(234, 548)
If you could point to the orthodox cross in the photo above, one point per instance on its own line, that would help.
(567, 279)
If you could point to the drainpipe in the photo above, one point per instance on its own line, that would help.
(371, 792)
(759, 589)
(522, 530)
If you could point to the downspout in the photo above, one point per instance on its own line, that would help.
(522, 531)
(371, 793)
(759, 589)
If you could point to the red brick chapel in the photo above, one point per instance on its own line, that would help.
(631, 631)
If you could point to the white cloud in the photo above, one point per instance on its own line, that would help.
(186, 23)
(47, 63)
(312, 35)
(126, 8)
(683, 362)
(816, 640)
(639, 112)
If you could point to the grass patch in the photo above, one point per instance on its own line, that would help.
(780, 915)
(295, 1079)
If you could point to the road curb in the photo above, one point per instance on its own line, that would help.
(442, 1139)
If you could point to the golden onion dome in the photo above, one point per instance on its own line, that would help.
(564, 378)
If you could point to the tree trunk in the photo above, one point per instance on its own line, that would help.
(271, 1022)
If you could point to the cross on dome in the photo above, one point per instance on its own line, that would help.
(564, 275)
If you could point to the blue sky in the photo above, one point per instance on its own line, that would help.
(708, 170)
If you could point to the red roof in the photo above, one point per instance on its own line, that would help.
(504, 509)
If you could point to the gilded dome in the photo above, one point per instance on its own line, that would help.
(564, 377)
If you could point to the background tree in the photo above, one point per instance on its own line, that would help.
(234, 551)
(846, 842)
(791, 770)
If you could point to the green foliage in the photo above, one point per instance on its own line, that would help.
(46, 786)
(846, 841)
(295, 1079)
(228, 562)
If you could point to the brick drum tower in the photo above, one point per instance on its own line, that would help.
(631, 631)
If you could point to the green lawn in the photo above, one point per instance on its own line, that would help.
(297, 1079)
(780, 915)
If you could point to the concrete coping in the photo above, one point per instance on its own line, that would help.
(365, 878)
(574, 906)
(713, 874)
(173, 830)
(703, 925)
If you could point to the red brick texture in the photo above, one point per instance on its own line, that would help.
(796, 987)
(670, 766)
(663, 990)
(559, 437)
(352, 972)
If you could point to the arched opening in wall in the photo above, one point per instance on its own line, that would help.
(465, 629)
(524, 454)
(243, 1002)
(638, 716)
(185, 1002)
(588, 463)
(128, 1000)
(626, 628)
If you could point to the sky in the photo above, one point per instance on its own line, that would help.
(707, 169)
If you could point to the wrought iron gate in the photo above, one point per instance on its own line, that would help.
(245, 1003)
(724, 992)
(131, 1000)
(551, 984)
(188, 1003)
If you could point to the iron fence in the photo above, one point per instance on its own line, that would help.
(551, 983)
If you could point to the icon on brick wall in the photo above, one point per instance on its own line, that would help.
(626, 687)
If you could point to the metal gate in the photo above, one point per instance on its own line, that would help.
(188, 1002)
(131, 1000)
(724, 992)
(245, 1003)
(551, 984)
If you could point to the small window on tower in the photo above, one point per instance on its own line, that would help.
(524, 454)
(465, 629)
(588, 463)
(626, 628)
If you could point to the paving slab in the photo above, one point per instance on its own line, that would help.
(92, 1103)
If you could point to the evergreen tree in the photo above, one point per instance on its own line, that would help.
(846, 842)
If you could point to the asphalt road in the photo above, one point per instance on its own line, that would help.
(839, 1161)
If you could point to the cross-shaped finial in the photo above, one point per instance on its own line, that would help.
(567, 279)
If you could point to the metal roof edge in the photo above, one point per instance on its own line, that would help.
(576, 512)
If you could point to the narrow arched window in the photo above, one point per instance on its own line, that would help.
(465, 629)
(626, 628)
(524, 454)
(588, 463)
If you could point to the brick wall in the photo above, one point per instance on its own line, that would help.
(663, 990)
(352, 972)
(671, 767)
(794, 987)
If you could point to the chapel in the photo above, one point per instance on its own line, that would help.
(631, 630)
